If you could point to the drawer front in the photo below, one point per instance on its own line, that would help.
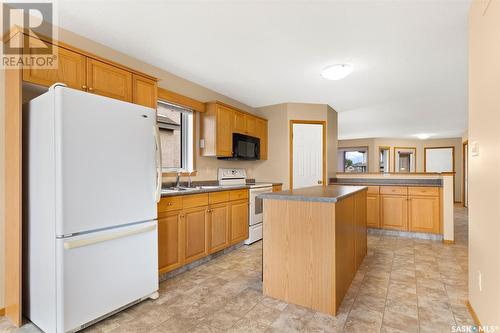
(195, 200)
(373, 190)
(396, 190)
(424, 191)
(169, 204)
(217, 197)
(238, 195)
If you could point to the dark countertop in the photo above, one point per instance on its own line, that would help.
(386, 182)
(216, 188)
(331, 193)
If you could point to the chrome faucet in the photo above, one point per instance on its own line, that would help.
(189, 178)
(177, 180)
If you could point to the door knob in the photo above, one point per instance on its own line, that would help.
(320, 182)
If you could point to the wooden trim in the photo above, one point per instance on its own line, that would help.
(318, 122)
(448, 242)
(173, 97)
(388, 160)
(473, 313)
(13, 201)
(464, 156)
(453, 157)
(394, 159)
(236, 109)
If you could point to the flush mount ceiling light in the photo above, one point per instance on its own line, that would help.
(423, 136)
(336, 72)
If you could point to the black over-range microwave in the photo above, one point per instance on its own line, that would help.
(245, 147)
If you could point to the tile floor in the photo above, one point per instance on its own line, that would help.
(403, 285)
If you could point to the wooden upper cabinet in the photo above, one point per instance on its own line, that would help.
(394, 212)
(250, 125)
(169, 242)
(145, 91)
(261, 133)
(224, 135)
(239, 123)
(239, 221)
(424, 214)
(70, 71)
(107, 80)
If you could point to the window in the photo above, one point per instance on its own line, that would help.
(353, 159)
(176, 126)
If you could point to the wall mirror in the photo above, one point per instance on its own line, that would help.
(383, 158)
(405, 159)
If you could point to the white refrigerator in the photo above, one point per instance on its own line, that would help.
(92, 179)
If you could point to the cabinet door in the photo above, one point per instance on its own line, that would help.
(372, 211)
(70, 71)
(360, 236)
(145, 91)
(224, 133)
(218, 227)
(107, 80)
(261, 132)
(424, 214)
(394, 210)
(169, 241)
(239, 221)
(250, 125)
(239, 122)
(195, 233)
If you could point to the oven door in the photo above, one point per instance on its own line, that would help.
(257, 204)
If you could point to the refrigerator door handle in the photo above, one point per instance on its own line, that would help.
(68, 245)
(158, 165)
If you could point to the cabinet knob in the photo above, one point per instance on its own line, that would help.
(170, 204)
(90, 88)
(84, 87)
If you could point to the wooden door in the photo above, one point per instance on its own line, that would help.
(107, 80)
(239, 221)
(170, 241)
(218, 227)
(70, 71)
(239, 123)
(145, 91)
(393, 212)
(224, 146)
(372, 211)
(250, 125)
(261, 132)
(195, 233)
(424, 214)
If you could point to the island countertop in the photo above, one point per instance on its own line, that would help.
(331, 193)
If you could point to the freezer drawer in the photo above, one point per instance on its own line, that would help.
(102, 271)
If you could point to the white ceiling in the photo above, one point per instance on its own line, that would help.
(409, 56)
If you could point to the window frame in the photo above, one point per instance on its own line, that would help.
(184, 147)
(345, 150)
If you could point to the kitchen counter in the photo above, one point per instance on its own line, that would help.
(332, 193)
(387, 182)
(207, 187)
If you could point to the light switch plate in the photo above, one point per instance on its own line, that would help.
(202, 143)
(474, 148)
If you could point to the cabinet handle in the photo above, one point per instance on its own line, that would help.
(84, 87)
(170, 203)
(90, 88)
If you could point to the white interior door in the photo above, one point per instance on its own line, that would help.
(307, 149)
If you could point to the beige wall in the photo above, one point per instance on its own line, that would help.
(373, 145)
(484, 180)
(277, 168)
(2, 188)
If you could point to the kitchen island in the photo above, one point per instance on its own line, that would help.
(314, 242)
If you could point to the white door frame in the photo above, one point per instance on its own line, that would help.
(317, 122)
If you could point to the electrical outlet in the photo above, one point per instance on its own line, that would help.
(480, 280)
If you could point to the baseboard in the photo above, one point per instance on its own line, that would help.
(2, 311)
(473, 314)
(447, 241)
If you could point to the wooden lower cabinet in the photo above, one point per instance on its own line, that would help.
(360, 236)
(372, 211)
(277, 188)
(195, 233)
(218, 227)
(169, 241)
(424, 214)
(239, 221)
(394, 212)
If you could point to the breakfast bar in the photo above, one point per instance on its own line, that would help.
(314, 242)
